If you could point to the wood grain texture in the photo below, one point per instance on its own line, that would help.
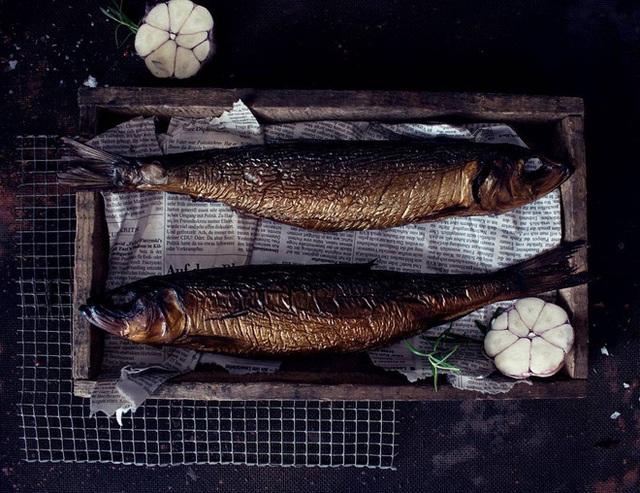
(89, 274)
(574, 207)
(296, 105)
(260, 391)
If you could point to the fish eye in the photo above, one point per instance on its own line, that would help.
(125, 301)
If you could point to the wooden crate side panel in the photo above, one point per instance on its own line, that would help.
(215, 391)
(290, 105)
(89, 274)
(574, 205)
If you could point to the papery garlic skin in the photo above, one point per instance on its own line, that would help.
(175, 39)
(530, 339)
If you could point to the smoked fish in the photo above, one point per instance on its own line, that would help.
(334, 185)
(280, 310)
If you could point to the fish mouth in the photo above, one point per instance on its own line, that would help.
(108, 320)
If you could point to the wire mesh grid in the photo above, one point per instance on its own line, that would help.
(56, 425)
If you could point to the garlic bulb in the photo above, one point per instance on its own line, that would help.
(530, 339)
(175, 39)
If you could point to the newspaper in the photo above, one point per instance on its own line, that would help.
(155, 233)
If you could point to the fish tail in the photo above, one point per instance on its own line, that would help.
(548, 271)
(98, 168)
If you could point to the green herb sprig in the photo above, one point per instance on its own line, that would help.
(116, 14)
(438, 357)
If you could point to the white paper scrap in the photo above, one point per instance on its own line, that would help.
(135, 384)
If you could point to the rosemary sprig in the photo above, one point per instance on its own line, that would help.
(438, 357)
(116, 14)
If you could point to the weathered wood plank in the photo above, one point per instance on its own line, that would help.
(289, 105)
(90, 268)
(574, 206)
(89, 273)
(261, 391)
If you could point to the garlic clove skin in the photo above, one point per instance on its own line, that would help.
(175, 39)
(158, 17)
(532, 338)
(529, 309)
(190, 41)
(149, 38)
(203, 51)
(179, 12)
(551, 316)
(516, 324)
(546, 359)
(561, 336)
(514, 360)
(186, 64)
(199, 21)
(497, 341)
(161, 61)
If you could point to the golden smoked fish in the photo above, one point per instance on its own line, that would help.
(279, 310)
(335, 186)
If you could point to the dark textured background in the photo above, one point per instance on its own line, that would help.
(585, 48)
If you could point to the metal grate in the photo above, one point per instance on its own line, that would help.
(56, 425)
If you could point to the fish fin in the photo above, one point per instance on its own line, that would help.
(98, 168)
(547, 271)
(83, 152)
(84, 178)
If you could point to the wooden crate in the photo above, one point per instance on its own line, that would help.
(554, 124)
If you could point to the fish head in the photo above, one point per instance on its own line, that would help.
(154, 317)
(514, 176)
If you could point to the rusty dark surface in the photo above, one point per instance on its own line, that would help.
(585, 48)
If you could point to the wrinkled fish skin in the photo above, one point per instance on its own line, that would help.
(335, 186)
(279, 310)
